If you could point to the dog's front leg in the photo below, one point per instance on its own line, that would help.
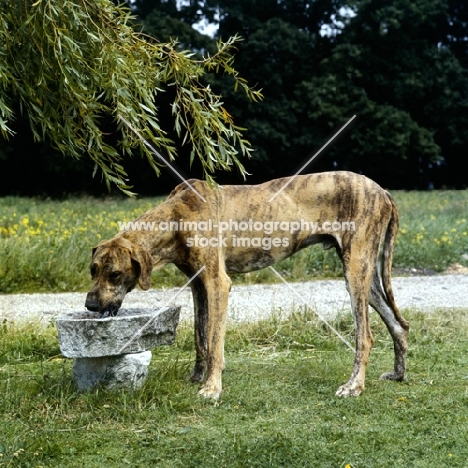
(217, 286)
(200, 303)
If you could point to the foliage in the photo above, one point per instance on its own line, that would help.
(77, 69)
(400, 59)
(400, 67)
(278, 406)
(168, 27)
(45, 246)
(389, 63)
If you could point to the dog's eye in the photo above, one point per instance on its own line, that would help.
(114, 276)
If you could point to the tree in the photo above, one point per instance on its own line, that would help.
(400, 66)
(188, 11)
(454, 29)
(391, 64)
(281, 50)
(280, 57)
(395, 53)
(77, 69)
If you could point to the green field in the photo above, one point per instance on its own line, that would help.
(278, 407)
(45, 245)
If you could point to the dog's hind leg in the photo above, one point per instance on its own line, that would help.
(396, 325)
(382, 300)
(358, 276)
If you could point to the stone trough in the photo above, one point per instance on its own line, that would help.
(114, 352)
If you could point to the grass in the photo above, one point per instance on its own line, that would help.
(277, 409)
(45, 245)
(278, 406)
(433, 229)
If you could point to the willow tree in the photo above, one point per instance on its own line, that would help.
(68, 65)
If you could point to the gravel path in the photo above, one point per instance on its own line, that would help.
(250, 303)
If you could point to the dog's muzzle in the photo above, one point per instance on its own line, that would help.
(93, 305)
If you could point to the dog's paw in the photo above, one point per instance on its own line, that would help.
(350, 389)
(197, 375)
(397, 376)
(210, 391)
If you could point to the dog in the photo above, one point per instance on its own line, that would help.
(207, 226)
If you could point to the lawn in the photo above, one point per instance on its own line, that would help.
(45, 245)
(277, 409)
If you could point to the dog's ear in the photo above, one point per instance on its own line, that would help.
(143, 258)
(93, 251)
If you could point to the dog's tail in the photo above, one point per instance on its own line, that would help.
(387, 258)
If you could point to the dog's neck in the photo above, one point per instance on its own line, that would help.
(158, 242)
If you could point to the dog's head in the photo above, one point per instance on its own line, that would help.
(117, 267)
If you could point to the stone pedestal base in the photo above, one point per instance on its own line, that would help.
(127, 371)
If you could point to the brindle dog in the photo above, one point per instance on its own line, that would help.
(366, 252)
